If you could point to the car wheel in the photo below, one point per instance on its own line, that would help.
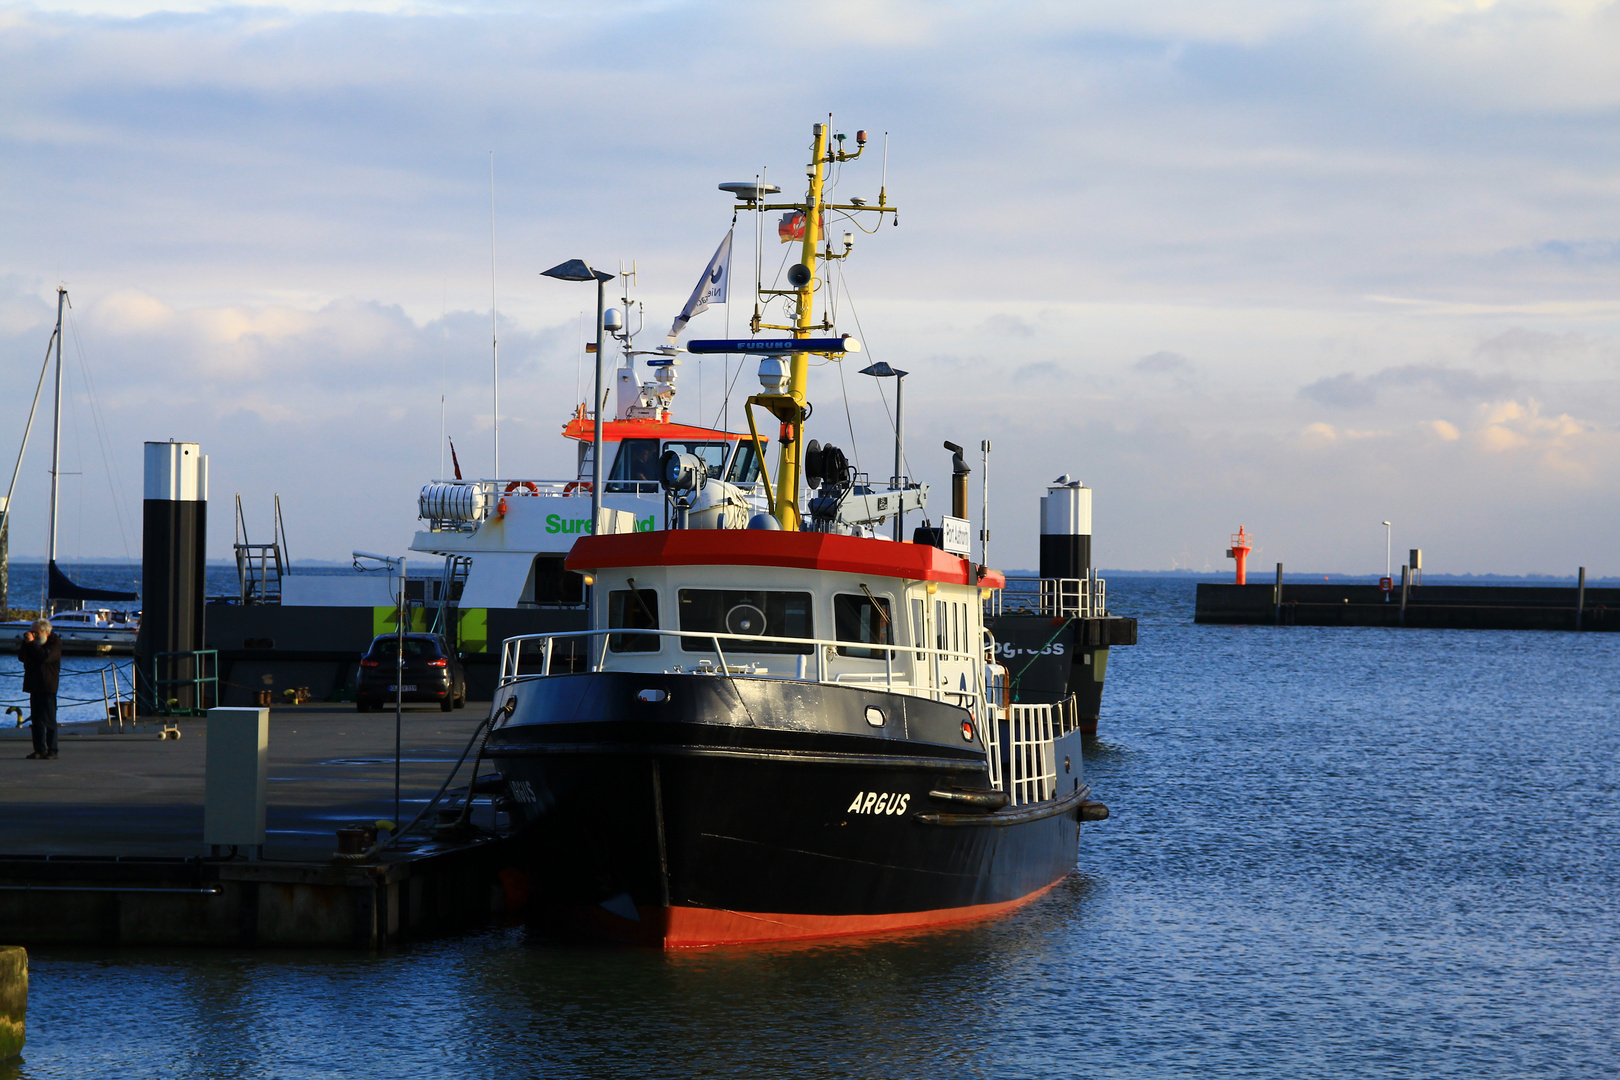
(446, 705)
(362, 706)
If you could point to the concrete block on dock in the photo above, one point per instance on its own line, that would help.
(13, 1000)
(238, 777)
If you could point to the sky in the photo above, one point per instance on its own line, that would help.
(1299, 267)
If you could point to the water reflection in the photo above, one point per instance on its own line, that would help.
(1332, 853)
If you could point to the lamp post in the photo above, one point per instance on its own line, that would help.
(881, 370)
(577, 270)
(1388, 552)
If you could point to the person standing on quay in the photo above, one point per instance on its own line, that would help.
(41, 655)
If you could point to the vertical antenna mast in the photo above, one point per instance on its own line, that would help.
(45, 607)
(444, 364)
(984, 515)
(494, 317)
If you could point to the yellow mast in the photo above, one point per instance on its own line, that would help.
(790, 407)
(788, 461)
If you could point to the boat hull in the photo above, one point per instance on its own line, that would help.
(703, 827)
(88, 641)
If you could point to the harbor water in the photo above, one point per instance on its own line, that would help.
(1333, 853)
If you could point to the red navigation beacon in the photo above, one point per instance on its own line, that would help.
(1242, 543)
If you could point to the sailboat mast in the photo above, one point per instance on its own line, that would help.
(45, 608)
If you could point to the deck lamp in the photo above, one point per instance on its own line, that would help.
(577, 270)
(881, 370)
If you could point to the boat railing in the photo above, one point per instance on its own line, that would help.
(1031, 734)
(1064, 598)
(472, 501)
(812, 659)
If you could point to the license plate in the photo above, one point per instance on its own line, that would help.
(408, 688)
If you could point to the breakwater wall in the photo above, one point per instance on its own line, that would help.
(1438, 607)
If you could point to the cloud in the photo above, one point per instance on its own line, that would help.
(276, 222)
(1320, 434)
(1162, 363)
(1043, 370)
(1519, 346)
(1348, 391)
(1003, 325)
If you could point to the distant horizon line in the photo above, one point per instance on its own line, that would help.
(1259, 579)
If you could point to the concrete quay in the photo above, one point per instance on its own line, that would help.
(104, 844)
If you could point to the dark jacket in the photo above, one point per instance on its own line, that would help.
(42, 664)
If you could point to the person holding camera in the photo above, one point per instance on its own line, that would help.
(41, 655)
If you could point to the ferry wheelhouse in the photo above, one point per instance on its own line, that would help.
(783, 726)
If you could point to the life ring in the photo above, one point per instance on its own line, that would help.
(577, 485)
(534, 488)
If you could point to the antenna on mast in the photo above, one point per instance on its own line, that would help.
(883, 182)
(494, 318)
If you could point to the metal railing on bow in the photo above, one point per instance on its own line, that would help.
(1064, 598)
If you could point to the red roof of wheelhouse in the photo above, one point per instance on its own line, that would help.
(766, 547)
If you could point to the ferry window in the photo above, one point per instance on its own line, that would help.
(941, 627)
(637, 461)
(744, 465)
(919, 635)
(553, 584)
(959, 626)
(712, 454)
(747, 612)
(636, 609)
(862, 618)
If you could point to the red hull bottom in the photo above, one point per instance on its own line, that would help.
(700, 928)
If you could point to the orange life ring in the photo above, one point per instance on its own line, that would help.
(577, 485)
(534, 488)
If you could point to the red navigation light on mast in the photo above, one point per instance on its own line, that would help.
(1242, 544)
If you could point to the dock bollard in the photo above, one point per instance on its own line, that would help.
(13, 1000)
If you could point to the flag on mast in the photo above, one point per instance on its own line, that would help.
(711, 287)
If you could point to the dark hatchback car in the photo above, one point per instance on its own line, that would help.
(432, 673)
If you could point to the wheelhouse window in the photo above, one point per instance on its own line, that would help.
(712, 454)
(633, 609)
(750, 613)
(636, 464)
(744, 465)
(863, 618)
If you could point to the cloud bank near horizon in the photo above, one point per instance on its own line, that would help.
(1282, 265)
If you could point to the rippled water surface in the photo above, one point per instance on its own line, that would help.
(1334, 853)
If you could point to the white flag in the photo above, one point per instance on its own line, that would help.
(711, 288)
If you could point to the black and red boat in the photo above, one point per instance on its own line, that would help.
(789, 730)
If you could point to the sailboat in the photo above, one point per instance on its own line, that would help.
(97, 630)
(790, 726)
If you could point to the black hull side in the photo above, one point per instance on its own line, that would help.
(760, 801)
